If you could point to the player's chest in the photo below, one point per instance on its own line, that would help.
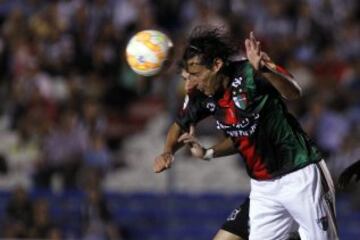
(232, 104)
(234, 113)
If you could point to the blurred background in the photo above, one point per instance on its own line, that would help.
(79, 130)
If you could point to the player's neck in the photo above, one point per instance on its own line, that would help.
(219, 83)
(225, 81)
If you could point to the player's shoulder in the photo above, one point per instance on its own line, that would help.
(237, 70)
(238, 62)
(236, 67)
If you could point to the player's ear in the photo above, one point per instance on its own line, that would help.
(217, 65)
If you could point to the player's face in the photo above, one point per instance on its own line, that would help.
(202, 76)
(189, 85)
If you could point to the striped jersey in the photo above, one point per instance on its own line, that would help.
(253, 114)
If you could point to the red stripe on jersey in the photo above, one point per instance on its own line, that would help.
(229, 107)
(253, 161)
(277, 69)
(283, 71)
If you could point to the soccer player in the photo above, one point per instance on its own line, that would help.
(289, 179)
(236, 226)
(348, 174)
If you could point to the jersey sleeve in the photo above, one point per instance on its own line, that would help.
(253, 84)
(264, 87)
(192, 111)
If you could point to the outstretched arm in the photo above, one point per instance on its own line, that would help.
(348, 174)
(281, 79)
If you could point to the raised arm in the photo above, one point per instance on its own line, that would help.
(281, 79)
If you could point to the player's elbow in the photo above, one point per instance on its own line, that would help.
(294, 92)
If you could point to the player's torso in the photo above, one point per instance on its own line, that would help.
(251, 112)
(237, 108)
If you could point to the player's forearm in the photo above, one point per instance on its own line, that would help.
(282, 80)
(171, 143)
(224, 148)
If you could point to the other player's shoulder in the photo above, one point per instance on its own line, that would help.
(196, 94)
(193, 98)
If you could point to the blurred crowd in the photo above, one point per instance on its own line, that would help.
(69, 100)
(32, 217)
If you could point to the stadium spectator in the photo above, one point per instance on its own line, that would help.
(63, 151)
(19, 214)
(41, 226)
(96, 217)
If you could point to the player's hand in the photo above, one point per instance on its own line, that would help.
(196, 149)
(256, 57)
(348, 174)
(163, 162)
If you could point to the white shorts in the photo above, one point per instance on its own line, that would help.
(306, 196)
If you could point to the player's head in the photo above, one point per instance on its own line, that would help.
(206, 55)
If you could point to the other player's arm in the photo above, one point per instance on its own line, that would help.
(348, 174)
(280, 78)
(185, 124)
(191, 113)
(164, 160)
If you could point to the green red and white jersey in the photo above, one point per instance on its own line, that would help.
(253, 114)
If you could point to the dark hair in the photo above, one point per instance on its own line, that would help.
(209, 43)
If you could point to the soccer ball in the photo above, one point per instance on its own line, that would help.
(146, 52)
